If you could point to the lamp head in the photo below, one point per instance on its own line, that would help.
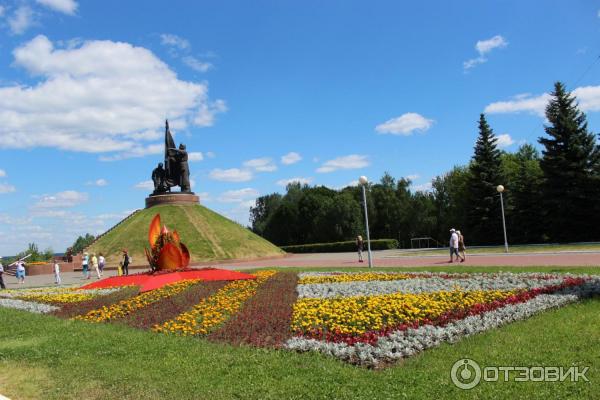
(500, 188)
(363, 180)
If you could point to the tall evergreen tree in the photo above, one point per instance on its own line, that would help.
(570, 162)
(484, 220)
(526, 220)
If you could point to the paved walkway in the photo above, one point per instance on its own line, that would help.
(385, 258)
(392, 258)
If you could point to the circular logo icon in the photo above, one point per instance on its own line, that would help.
(465, 374)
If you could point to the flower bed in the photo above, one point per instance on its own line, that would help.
(171, 307)
(380, 329)
(38, 308)
(70, 310)
(63, 295)
(127, 306)
(213, 311)
(265, 318)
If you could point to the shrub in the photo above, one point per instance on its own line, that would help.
(339, 247)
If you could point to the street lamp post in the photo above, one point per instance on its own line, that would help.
(500, 189)
(363, 182)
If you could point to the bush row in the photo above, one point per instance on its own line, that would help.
(339, 247)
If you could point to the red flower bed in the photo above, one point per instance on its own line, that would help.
(265, 318)
(168, 308)
(154, 280)
(372, 337)
(70, 310)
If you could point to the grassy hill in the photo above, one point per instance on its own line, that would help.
(208, 235)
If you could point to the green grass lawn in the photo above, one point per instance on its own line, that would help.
(209, 236)
(46, 357)
(549, 248)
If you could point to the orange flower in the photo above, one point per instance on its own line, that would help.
(166, 251)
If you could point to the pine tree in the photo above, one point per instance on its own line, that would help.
(527, 221)
(570, 164)
(483, 213)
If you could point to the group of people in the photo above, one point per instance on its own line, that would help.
(97, 264)
(457, 246)
(93, 262)
(89, 262)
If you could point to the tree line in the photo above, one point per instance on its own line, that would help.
(549, 197)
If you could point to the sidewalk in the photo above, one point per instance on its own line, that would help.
(382, 258)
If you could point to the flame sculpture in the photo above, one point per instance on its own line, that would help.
(166, 251)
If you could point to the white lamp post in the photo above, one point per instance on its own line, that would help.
(500, 189)
(363, 182)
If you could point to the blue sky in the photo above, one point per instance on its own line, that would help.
(262, 93)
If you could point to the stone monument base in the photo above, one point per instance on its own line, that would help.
(176, 198)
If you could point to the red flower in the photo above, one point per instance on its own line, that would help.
(166, 251)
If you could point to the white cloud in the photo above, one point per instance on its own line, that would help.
(522, 103)
(145, 185)
(196, 64)
(206, 115)
(241, 212)
(231, 175)
(483, 47)
(21, 20)
(136, 151)
(98, 182)
(504, 140)
(302, 181)
(264, 164)
(290, 158)
(238, 196)
(66, 199)
(6, 188)
(598, 14)
(413, 177)
(172, 40)
(353, 161)
(2, 173)
(588, 98)
(204, 196)
(2, 10)
(195, 156)
(112, 95)
(424, 187)
(352, 183)
(64, 6)
(210, 154)
(405, 124)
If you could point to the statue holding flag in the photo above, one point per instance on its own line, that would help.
(176, 168)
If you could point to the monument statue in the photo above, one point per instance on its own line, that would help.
(178, 159)
(159, 179)
(176, 171)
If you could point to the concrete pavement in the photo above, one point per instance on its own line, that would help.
(383, 258)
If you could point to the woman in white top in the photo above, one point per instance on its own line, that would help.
(21, 272)
(57, 273)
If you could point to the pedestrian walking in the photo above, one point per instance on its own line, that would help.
(2, 285)
(20, 272)
(101, 262)
(126, 261)
(57, 274)
(453, 245)
(359, 247)
(85, 266)
(461, 246)
(95, 265)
